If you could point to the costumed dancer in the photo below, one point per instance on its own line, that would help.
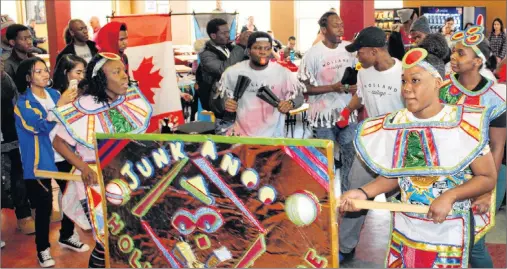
(490, 62)
(438, 155)
(468, 85)
(109, 104)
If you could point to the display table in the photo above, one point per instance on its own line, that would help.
(186, 58)
(182, 69)
(184, 50)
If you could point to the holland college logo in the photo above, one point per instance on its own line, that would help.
(380, 89)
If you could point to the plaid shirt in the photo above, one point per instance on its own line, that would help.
(498, 45)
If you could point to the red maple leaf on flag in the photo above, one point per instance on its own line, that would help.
(147, 80)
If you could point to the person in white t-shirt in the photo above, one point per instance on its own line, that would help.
(379, 91)
(379, 79)
(254, 116)
(321, 71)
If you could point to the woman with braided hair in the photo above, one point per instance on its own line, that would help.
(104, 107)
(437, 155)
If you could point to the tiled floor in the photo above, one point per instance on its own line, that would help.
(19, 250)
(498, 235)
(370, 253)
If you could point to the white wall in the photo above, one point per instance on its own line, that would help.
(181, 30)
(261, 10)
(9, 7)
(84, 10)
(307, 15)
(380, 4)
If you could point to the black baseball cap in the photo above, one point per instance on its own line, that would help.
(370, 37)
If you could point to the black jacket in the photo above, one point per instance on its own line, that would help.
(9, 97)
(11, 64)
(69, 49)
(213, 63)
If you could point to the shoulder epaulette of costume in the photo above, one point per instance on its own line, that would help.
(394, 146)
(82, 123)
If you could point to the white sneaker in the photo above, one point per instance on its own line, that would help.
(45, 259)
(73, 243)
(2, 244)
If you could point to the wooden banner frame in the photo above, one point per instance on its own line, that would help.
(324, 144)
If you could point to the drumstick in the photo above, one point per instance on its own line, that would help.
(302, 108)
(57, 175)
(397, 207)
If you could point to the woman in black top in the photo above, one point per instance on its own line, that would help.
(497, 40)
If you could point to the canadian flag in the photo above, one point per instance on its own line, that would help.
(151, 63)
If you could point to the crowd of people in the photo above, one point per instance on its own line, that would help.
(435, 101)
(36, 135)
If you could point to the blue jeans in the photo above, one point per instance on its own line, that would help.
(500, 187)
(344, 137)
(480, 257)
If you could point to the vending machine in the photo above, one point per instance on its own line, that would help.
(461, 15)
(437, 16)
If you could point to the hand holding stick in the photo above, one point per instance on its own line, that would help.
(57, 175)
(396, 207)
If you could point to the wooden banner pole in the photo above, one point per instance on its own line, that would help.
(397, 207)
(57, 175)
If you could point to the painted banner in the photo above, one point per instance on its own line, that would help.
(201, 21)
(151, 63)
(214, 201)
